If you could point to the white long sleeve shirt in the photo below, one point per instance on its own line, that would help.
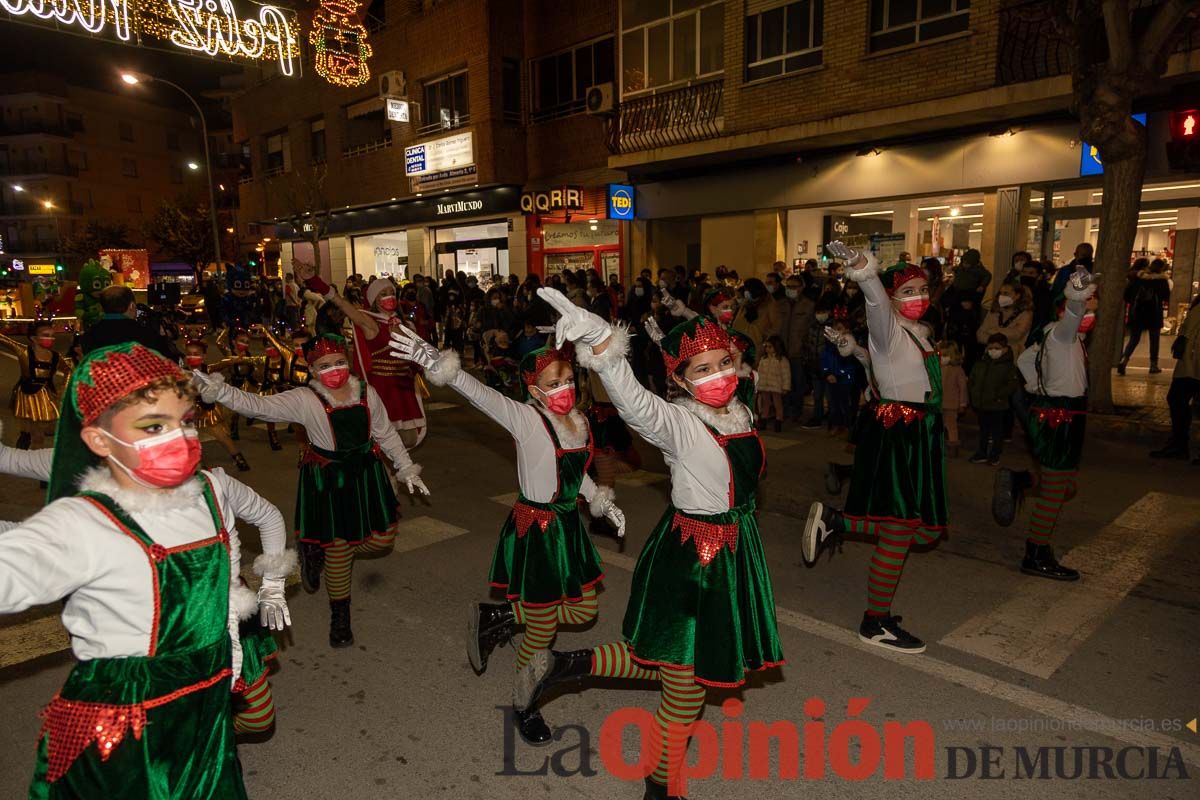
(1063, 357)
(699, 467)
(896, 361)
(537, 467)
(306, 406)
(71, 549)
(32, 464)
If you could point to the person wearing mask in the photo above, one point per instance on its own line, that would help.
(496, 315)
(120, 324)
(1147, 295)
(757, 317)
(1185, 387)
(774, 382)
(598, 300)
(810, 354)
(993, 380)
(795, 320)
(934, 318)
(1084, 257)
(774, 283)
(1010, 314)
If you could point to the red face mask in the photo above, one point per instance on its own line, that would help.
(715, 390)
(725, 316)
(194, 361)
(559, 401)
(334, 377)
(271, 352)
(45, 341)
(165, 460)
(914, 307)
(299, 351)
(387, 304)
(241, 347)
(1087, 323)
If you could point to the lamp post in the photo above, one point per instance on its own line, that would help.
(133, 79)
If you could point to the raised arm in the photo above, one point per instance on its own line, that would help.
(1068, 326)
(33, 464)
(308, 274)
(290, 406)
(389, 442)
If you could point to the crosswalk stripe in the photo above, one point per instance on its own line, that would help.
(640, 477)
(26, 641)
(777, 442)
(1039, 628)
(416, 532)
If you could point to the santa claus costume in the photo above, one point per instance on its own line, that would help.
(898, 489)
(1055, 373)
(345, 506)
(137, 543)
(701, 611)
(544, 563)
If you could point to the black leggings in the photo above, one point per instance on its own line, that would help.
(1135, 338)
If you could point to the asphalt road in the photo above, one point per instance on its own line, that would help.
(1014, 663)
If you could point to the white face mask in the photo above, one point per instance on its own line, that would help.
(822, 317)
(748, 296)
(945, 361)
(1004, 300)
(792, 294)
(995, 352)
(639, 291)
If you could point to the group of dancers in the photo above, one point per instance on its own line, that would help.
(173, 646)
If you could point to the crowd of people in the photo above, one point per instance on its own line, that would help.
(171, 668)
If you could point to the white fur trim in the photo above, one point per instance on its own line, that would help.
(100, 480)
(736, 420)
(413, 470)
(275, 565)
(323, 392)
(915, 327)
(568, 438)
(602, 500)
(444, 369)
(242, 600)
(618, 348)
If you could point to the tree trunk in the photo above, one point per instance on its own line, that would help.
(1118, 228)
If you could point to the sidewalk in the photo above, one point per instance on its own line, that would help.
(1141, 398)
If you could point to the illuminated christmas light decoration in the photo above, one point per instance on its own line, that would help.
(211, 27)
(340, 41)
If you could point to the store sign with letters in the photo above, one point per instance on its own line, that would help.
(452, 152)
(444, 179)
(620, 201)
(602, 233)
(397, 110)
(568, 198)
(208, 27)
(41, 269)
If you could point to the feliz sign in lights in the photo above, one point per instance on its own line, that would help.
(211, 27)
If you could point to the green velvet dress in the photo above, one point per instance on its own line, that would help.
(545, 556)
(160, 726)
(701, 593)
(1057, 426)
(345, 493)
(900, 461)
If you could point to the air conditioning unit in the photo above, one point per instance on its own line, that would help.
(599, 99)
(393, 84)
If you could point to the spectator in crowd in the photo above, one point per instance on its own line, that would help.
(598, 300)
(814, 344)
(994, 378)
(212, 302)
(120, 324)
(1147, 294)
(839, 373)
(1185, 386)
(758, 316)
(774, 382)
(795, 320)
(1011, 313)
(955, 393)
(962, 302)
(1083, 258)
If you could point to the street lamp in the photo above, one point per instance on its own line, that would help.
(133, 79)
(48, 205)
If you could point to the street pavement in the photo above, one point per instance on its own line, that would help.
(1013, 661)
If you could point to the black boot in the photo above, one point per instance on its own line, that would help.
(273, 440)
(340, 634)
(233, 428)
(1039, 560)
(546, 669)
(824, 524)
(242, 464)
(532, 728)
(1008, 490)
(488, 625)
(312, 561)
(24, 440)
(1171, 449)
(1154, 368)
(1121, 366)
(656, 791)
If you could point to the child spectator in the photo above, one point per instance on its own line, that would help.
(840, 374)
(955, 395)
(814, 345)
(993, 380)
(774, 381)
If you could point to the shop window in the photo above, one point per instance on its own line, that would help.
(510, 90)
(784, 39)
(129, 167)
(561, 80)
(666, 42)
(279, 155)
(316, 141)
(133, 204)
(446, 103)
(173, 140)
(896, 23)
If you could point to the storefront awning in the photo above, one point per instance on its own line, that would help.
(364, 107)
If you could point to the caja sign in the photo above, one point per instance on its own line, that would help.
(620, 201)
(568, 198)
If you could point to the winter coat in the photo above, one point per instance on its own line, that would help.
(844, 368)
(764, 325)
(1189, 365)
(993, 381)
(1014, 322)
(814, 343)
(774, 374)
(954, 387)
(1146, 295)
(795, 318)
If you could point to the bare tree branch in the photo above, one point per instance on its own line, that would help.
(1120, 38)
(1169, 24)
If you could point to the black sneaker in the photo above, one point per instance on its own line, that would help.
(824, 524)
(833, 479)
(340, 634)
(488, 626)
(1008, 490)
(545, 669)
(1039, 561)
(312, 561)
(886, 632)
(978, 458)
(532, 727)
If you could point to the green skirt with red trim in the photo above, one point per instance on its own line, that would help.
(1057, 426)
(702, 598)
(900, 467)
(258, 651)
(343, 495)
(545, 556)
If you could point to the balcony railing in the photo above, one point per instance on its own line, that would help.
(447, 124)
(690, 114)
(27, 246)
(19, 167)
(368, 147)
(21, 128)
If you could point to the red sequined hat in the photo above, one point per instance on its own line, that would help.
(897, 275)
(533, 363)
(323, 345)
(697, 335)
(114, 372)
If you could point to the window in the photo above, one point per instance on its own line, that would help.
(510, 90)
(895, 23)
(133, 204)
(561, 80)
(74, 122)
(664, 42)
(125, 129)
(173, 140)
(77, 159)
(784, 39)
(376, 16)
(446, 104)
(316, 141)
(129, 167)
(245, 162)
(176, 174)
(279, 157)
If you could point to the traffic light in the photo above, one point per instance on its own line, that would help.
(1183, 151)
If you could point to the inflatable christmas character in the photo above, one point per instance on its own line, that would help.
(94, 277)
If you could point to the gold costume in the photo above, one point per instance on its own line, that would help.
(34, 397)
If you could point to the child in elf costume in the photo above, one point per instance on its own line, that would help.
(138, 544)
(898, 490)
(242, 367)
(545, 563)
(345, 506)
(1055, 373)
(701, 611)
(34, 398)
(210, 418)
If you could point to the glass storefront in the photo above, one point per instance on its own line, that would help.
(382, 254)
(480, 249)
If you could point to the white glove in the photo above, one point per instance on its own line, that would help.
(272, 606)
(416, 486)
(574, 323)
(617, 518)
(235, 641)
(652, 328)
(1079, 295)
(673, 303)
(859, 266)
(208, 385)
(409, 346)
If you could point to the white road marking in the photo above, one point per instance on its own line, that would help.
(777, 442)
(641, 477)
(415, 532)
(440, 406)
(1038, 629)
(506, 499)
(26, 641)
